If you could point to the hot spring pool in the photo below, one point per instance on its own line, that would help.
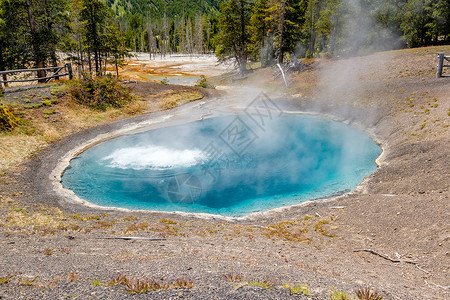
(230, 166)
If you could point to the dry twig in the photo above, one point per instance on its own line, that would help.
(391, 259)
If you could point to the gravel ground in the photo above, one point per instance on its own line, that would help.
(391, 235)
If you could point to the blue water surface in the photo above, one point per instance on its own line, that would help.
(231, 166)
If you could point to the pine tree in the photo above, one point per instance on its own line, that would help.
(261, 41)
(233, 39)
(94, 13)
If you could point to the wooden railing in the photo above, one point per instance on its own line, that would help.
(441, 58)
(66, 69)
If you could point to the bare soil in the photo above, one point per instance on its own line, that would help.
(391, 235)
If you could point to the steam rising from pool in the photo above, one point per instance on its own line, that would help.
(231, 166)
(153, 157)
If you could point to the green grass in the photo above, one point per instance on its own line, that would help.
(339, 295)
(96, 282)
(6, 278)
(298, 289)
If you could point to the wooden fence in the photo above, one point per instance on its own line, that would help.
(441, 58)
(65, 70)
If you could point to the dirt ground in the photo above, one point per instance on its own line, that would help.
(392, 235)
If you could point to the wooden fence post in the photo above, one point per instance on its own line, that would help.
(69, 70)
(440, 64)
(5, 79)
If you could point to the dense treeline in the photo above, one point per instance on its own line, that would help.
(185, 34)
(269, 30)
(35, 32)
(156, 9)
(163, 27)
(92, 33)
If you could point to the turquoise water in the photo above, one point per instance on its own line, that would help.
(231, 166)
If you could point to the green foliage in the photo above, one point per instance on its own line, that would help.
(233, 39)
(47, 103)
(29, 32)
(167, 221)
(301, 288)
(96, 282)
(129, 8)
(203, 83)
(27, 281)
(182, 284)
(100, 92)
(339, 295)
(332, 28)
(262, 283)
(7, 119)
(6, 278)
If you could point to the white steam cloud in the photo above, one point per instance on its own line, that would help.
(153, 157)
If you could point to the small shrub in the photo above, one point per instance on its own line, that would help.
(203, 83)
(7, 278)
(288, 231)
(183, 284)
(88, 217)
(232, 277)
(140, 286)
(367, 294)
(265, 284)
(100, 92)
(301, 288)
(27, 281)
(167, 221)
(96, 282)
(7, 119)
(73, 277)
(48, 251)
(102, 224)
(120, 279)
(47, 103)
(319, 228)
(339, 295)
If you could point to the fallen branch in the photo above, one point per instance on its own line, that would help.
(418, 267)
(399, 260)
(263, 227)
(380, 255)
(438, 285)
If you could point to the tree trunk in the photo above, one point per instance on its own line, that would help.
(281, 42)
(95, 42)
(49, 25)
(90, 63)
(80, 47)
(36, 47)
(243, 46)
